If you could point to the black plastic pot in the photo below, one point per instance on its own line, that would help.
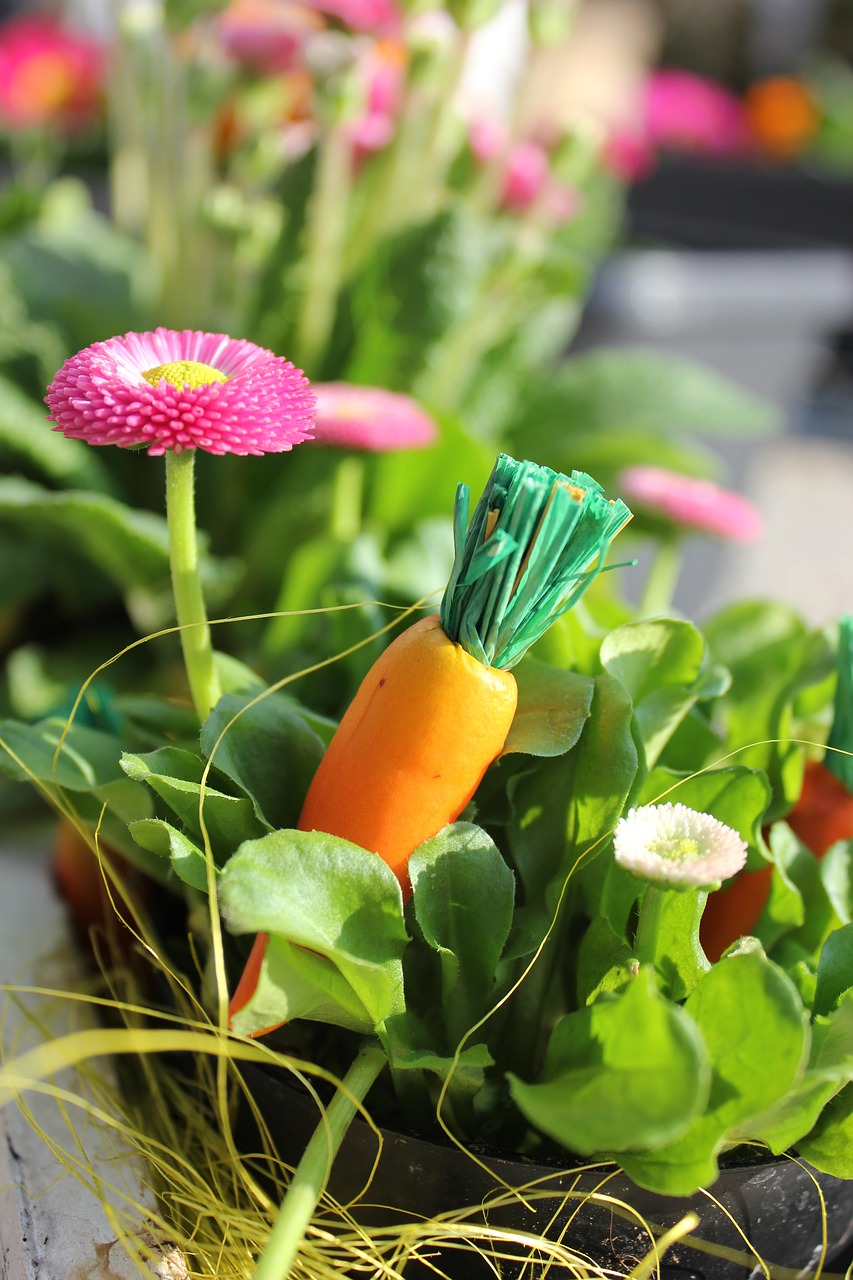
(774, 1202)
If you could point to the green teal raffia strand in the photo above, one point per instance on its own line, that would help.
(535, 542)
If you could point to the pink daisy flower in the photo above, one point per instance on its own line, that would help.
(696, 504)
(370, 419)
(177, 391)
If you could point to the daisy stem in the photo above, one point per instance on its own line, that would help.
(186, 582)
(309, 1180)
(648, 925)
(662, 578)
(326, 233)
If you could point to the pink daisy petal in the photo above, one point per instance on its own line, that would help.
(370, 419)
(696, 504)
(101, 396)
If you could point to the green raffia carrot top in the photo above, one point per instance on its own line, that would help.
(535, 542)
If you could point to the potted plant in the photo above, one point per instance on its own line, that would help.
(476, 905)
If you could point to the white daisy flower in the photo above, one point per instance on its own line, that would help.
(672, 845)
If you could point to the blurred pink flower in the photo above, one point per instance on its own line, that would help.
(695, 504)
(186, 390)
(384, 67)
(527, 172)
(50, 76)
(267, 35)
(361, 15)
(487, 139)
(628, 154)
(687, 112)
(370, 419)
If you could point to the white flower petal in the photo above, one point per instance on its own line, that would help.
(671, 844)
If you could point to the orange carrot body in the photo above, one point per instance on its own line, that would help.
(425, 725)
(732, 912)
(408, 755)
(823, 814)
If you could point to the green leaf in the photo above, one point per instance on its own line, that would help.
(131, 547)
(78, 271)
(835, 969)
(88, 758)
(295, 983)
(553, 707)
(743, 1001)
(606, 766)
(417, 287)
(772, 659)
(176, 776)
(268, 749)
(187, 859)
(330, 896)
(564, 806)
(641, 390)
(605, 961)
(463, 894)
(798, 909)
(829, 1146)
(659, 662)
(624, 1073)
(830, 1068)
(26, 434)
(836, 873)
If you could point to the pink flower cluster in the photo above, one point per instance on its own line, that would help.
(50, 77)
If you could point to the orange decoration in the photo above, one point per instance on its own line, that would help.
(783, 115)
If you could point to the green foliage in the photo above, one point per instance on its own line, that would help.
(627, 1072)
(463, 895)
(326, 895)
(747, 1001)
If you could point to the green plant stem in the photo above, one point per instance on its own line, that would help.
(648, 925)
(662, 578)
(327, 227)
(186, 582)
(347, 499)
(311, 1174)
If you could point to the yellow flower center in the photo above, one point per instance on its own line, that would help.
(185, 373)
(680, 847)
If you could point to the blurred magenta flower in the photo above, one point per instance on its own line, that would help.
(267, 35)
(527, 172)
(370, 419)
(50, 76)
(694, 504)
(628, 154)
(688, 112)
(178, 391)
(361, 15)
(487, 139)
(384, 69)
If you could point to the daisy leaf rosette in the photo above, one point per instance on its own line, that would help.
(174, 391)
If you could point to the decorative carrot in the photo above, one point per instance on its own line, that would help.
(435, 710)
(822, 816)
